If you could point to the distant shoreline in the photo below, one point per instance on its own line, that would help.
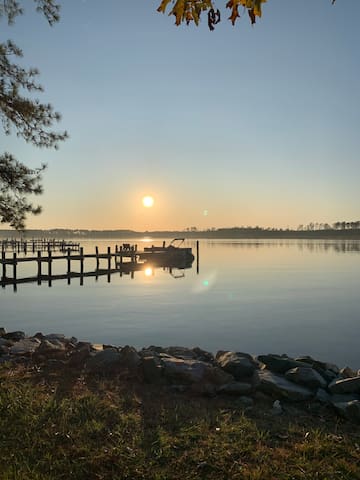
(223, 233)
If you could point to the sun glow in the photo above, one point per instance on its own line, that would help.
(148, 201)
(148, 272)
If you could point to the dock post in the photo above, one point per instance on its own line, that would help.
(14, 271)
(68, 266)
(33, 246)
(81, 260)
(3, 256)
(39, 267)
(109, 257)
(197, 257)
(49, 267)
(25, 247)
(97, 258)
(81, 266)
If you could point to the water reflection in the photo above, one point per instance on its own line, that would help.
(318, 246)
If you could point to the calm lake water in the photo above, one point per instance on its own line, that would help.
(257, 296)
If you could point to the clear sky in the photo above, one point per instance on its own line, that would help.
(241, 126)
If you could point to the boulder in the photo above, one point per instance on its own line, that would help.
(279, 363)
(279, 386)
(129, 358)
(346, 385)
(238, 364)
(347, 372)
(180, 352)
(329, 371)
(181, 371)
(349, 410)
(2, 331)
(27, 346)
(322, 396)
(306, 376)
(106, 361)
(236, 388)
(79, 355)
(14, 336)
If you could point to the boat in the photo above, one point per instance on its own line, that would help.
(173, 252)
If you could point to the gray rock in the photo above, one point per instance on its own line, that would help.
(349, 410)
(14, 336)
(79, 356)
(106, 361)
(185, 372)
(329, 371)
(322, 396)
(235, 388)
(279, 386)
(347, 372)
(27, 346)
(306, 376)
(180, 352)
(2, 331)
(237, 364)
(347, 385)
(55, 336)
(48, 346)
(279, 363)
(129, 358)
(277, 408)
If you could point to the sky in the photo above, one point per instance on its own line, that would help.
(245, 125)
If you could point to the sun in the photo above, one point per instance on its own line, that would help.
(148, 201)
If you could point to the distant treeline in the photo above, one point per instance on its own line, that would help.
(336, 230)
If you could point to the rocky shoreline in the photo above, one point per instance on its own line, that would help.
(284, 380)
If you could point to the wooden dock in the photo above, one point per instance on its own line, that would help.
(38, 244)
(124, 260)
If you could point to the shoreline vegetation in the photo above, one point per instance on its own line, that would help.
(73, 409)
(308, 232)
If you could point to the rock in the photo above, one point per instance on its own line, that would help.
(349, 410)
(55, 336)
(27, 346)
(235, 388)
(79, 355)
(347, 385)
(152, 370)
(329, 371)
(107, 361)
(181, 371)
(237, 364)
(5, 359)
(279, 363)
(347, 372)
(2, 331)
(322, 396)
(277, 408)
(129, 358)
(14, 336)
(47, 346)
(203, 355)
(280, 386)
(180, 352)
(306, 376)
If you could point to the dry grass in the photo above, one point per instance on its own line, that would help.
(65, 426)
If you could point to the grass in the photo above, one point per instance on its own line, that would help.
(66, 426)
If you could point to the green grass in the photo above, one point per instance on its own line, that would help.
(66, 427)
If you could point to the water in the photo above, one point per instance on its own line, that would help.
(294, 297)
